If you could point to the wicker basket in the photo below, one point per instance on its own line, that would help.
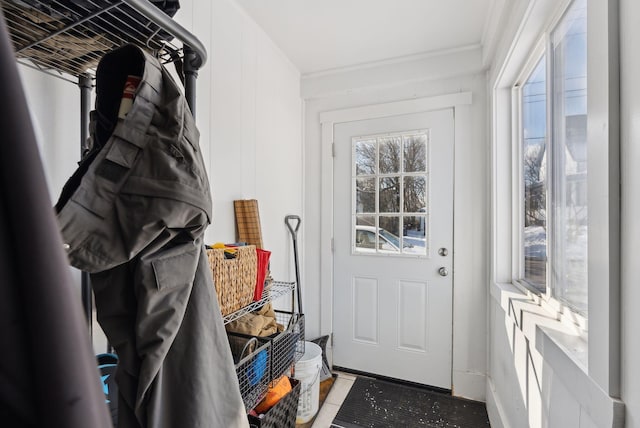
(234, 279)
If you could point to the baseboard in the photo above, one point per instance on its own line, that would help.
(472, 386)
(494, 408)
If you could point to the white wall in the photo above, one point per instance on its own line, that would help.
(55, 112)
(328, 92)
(248, 111)
(54, 105)
(630, 226)
(249, 114)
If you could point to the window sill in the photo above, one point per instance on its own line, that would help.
(563, 347)
(560, 311)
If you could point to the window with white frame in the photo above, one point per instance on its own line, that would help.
(553, 147)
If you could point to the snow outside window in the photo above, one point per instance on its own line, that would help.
(553, 124)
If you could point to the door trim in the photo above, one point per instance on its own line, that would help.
(460, 102)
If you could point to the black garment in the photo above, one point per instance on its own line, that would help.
(48, 375)
(135, 220)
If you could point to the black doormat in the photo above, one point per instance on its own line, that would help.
(373, 403)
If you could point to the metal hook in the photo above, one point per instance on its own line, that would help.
(150, 39)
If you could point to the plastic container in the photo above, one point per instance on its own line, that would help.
(107, 364)
(308, 373)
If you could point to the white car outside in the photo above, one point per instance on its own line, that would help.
(387, 241)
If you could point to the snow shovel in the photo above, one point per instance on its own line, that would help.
(294, 232)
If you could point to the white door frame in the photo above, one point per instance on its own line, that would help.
(460, 102)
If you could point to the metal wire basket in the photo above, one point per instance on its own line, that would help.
(252, 362)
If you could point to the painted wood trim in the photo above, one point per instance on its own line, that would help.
(326, 231)
(396, 108)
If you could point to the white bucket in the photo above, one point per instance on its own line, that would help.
(308, 373)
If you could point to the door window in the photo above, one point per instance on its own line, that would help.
(389, 191)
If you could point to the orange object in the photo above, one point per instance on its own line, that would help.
(274, 394)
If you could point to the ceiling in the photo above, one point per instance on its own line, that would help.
(322, 35)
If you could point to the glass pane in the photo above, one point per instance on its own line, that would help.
(365, 195)
(365, 157)
(389, 195)
(390, 192)
(415, 153)
(389, 155)
(415, 194)
(366, 220)
(365, 234)
(388, 235)
(534, 130)
(569, 154)
(414, 235)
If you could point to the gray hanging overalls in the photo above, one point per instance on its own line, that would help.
(134, 216)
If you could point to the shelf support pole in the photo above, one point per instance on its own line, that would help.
(85, 85)
(190, 76)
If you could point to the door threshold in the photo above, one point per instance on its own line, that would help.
(393, 380)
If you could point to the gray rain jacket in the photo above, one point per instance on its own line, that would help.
(133, 215)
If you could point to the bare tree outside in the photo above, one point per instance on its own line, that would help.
(535, 194)
(534, 124)
(365, 157)
(389, 195)
(415, 153)
(365, 195)
(390, 155)
(397, 166)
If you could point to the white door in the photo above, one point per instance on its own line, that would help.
(393, 237)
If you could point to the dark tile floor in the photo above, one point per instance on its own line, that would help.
(355, 402)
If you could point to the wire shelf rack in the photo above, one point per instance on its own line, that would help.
(67, 38)
(275, 290)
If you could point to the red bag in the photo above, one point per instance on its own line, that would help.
(263, 263)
